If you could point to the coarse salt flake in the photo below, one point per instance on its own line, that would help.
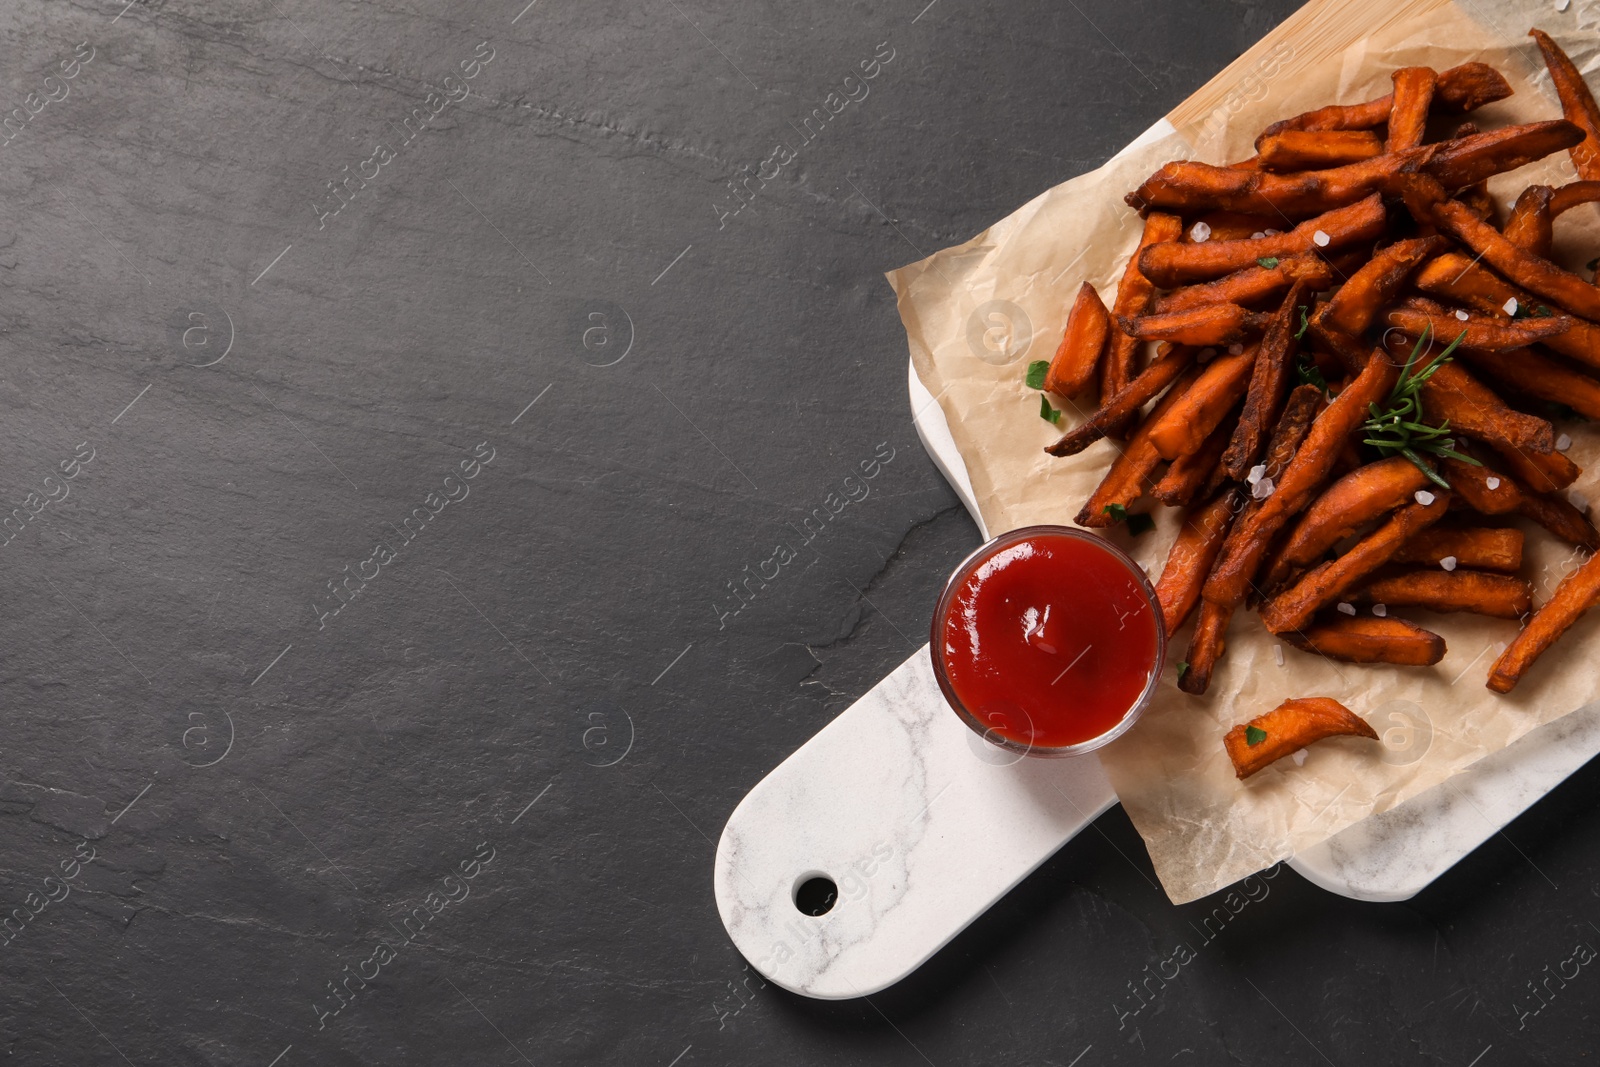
(1235, 350)
(1270, 232)
(1492, 482)
(1347, 608)
(1510, 306)
(1277, 654)
(1448, 563)
(1562, 5)
(1257, 236)
(1200, 231)
(1462, 315)
(1299, 756)
(1262, 489)
(1423, 497)
(1380, 610)
(1563, 443)
(1321, 239)
(1255, 473)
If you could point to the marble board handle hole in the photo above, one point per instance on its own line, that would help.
(815, 894)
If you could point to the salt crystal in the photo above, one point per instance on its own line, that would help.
(1448, 563)
(1563, 443)
(1321, 239)
(1299, 756)
(1562, 5)
(1262, 489)
(1270, 232)
(1257, 236)
(1492, 482)
(1423, 497)
(1235, 350)
(1255, 473)
(1462, 315)
(1347, 608)
(1380, 610)
(1578, 500)
(1200, 232)
(1510, 307)
(1277, 654)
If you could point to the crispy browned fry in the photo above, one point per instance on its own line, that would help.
(1370, 640)
(1408, 114)
(1483, 547)
(1464, 88)
(1572, 194)
(1134, 294)
(1190, 187)
(1252, 286)
(1140, 391)
(1354, 306)
(1130, 472)
(1349, 504)
(1474, 410)
(1459, 278)
(1557, 514)
(1213, 324)
(1416, 316)
(1184, 426)
(1577, 104)
(1479, 201)
(1175, 263)
(1293, 608)
(1565, 290)
(1499, 596)
(1526, 371)
(1198, 474)
(1231, 578)
(1205, 647)
(1269, 386)
(1531, 223)
(1575, 595)
(1191, 556)
(1316, 149)
(1288, 728)
(1481, 488)
(1542, 472)
(1081, 347)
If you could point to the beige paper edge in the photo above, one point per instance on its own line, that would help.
(977, 313)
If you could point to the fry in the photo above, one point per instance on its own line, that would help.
(1499, 596)
(1457, 277)
(1287, 729)
(1184, 426)
(1358, 498)
(1197, 474)
(1252, 286)
(1531, 225)
(1469, 160)
(1205, 647)
(1408, 113)
(1130, 472)
(1474, 410)
(1483, 489)
(1134, 293)
(1534, 273)
(1150, 381)
(1577, 104)
(1292, 150)
(1575, 595)
(1213, 324)
(1293, 608)
(1176, 263)
(1190, 558)
(1078, 356)
(1269, 386)
(1230, 579)
(1464, 88)
(1371, 640)
(1417, 316)
(1526, 371)
(1482, 547)
(1556, 514)
(1542, 472)
(1357, 302)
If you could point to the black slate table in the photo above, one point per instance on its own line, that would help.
(395, 394)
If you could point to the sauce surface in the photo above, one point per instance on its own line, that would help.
(1049, 641)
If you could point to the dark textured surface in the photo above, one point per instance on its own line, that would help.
(165, 615)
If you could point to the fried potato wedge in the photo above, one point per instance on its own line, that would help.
(1481, 547)
(1212, 324)
(1577, 104)
(1198, 474)
(1293, 608)
(1458, 278)
(1365, 494)
(1499, 596)
(1525, 371)
(1417, 316)
(1476, 411)
(1353, 308)
(1154, 378)
(1078, 357)
(1184, 426)
(1370, 640)
(1269, 386)
(1251, 287)
(1481, 488)
(1408, 113)
(1189, 561)
(1291, 150)
(1563, 289)
(1557, 514)
(1574, 596)
(1459, 89)
(1134, 294)
(1469, 160)
(1205, 647)
(1542, 472)
(1130, 472)
(1288, 728)
(1176, 263)
(1532, 222)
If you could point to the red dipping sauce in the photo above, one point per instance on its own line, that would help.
(1048, 641)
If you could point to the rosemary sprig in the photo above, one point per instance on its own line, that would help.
(1400, 428)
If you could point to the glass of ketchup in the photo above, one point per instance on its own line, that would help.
(1048, 641)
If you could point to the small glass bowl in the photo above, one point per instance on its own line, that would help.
(999, 544)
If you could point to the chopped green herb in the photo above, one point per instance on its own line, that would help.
(1116, 511)
(1036, 372)
(1399, 429)
(1048, 413)
(1306, 372)
(1254, 735)
(1183, 668)
(1268, 262)
(1305, 323)
(1140, 523)
(1532, 311)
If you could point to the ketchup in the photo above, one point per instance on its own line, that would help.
(1047, 638)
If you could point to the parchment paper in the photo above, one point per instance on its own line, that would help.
(976, 314)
